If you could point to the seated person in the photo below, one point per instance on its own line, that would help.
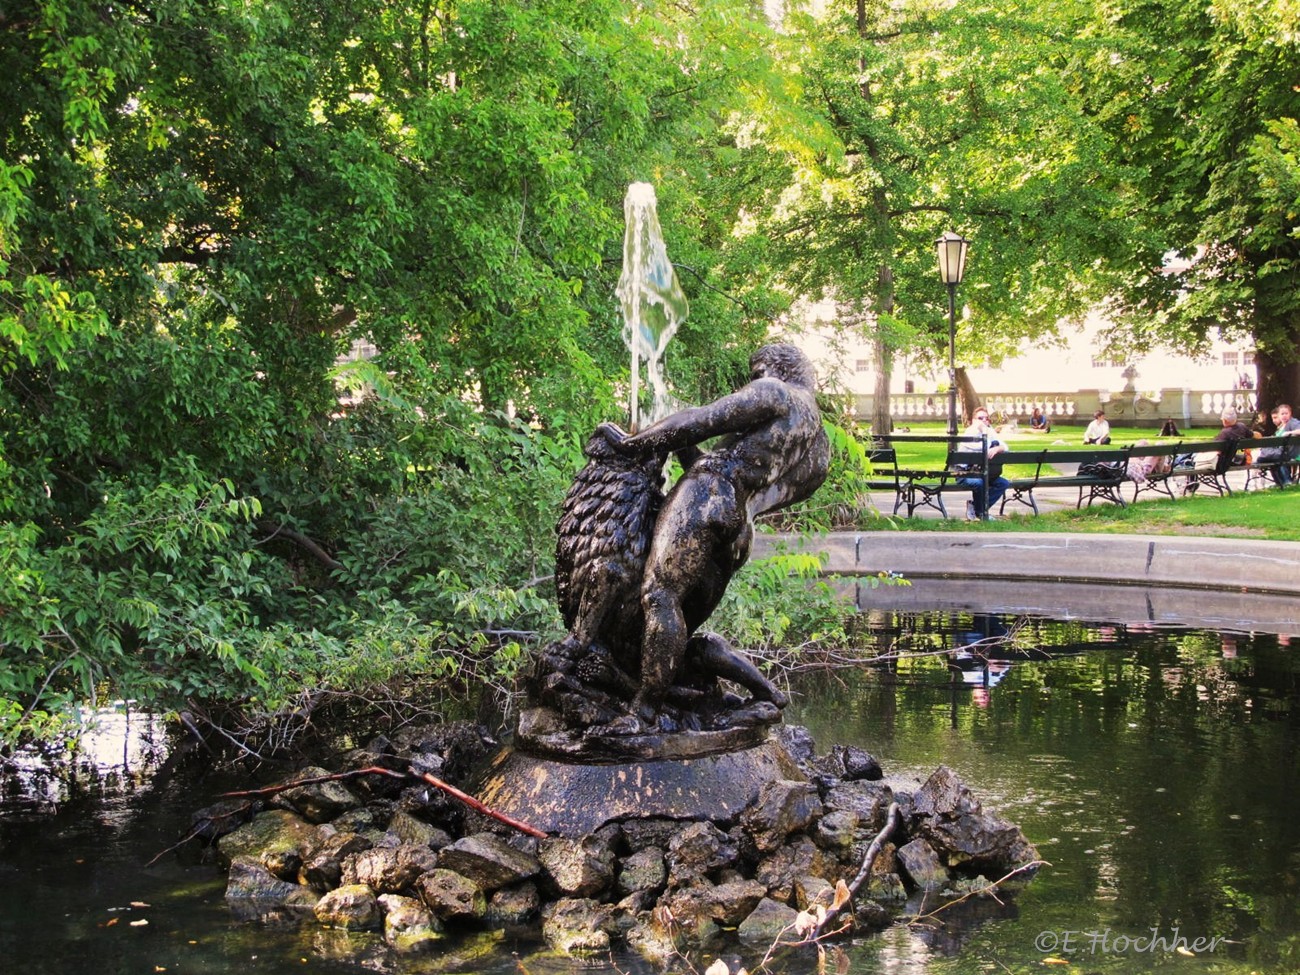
(1038, 422)
(1169, 429)
(979, 507)
(1233, 430)
(1098, 431)
(1284, 425)
(1140, 468)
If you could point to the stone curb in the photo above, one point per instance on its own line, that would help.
(1238, 565)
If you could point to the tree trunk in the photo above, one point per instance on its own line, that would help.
(1278, 379)
(966, 397)
(882, 421)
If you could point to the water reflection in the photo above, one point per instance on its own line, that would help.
(116, 749)
(1155, 767)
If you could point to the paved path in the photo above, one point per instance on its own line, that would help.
(1162, 579)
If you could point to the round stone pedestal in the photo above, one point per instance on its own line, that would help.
(573, 799)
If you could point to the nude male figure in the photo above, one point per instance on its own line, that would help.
(773, 454)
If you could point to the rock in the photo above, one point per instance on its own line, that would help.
(269, 835)
(810, 890)
(352, 906)
(691, 909)
(220, 818)
(731, 903)
(921, 864)
(947, 814)
(798, 858)
(652, 942)
(389, 870)
(318, 802)
(639, 834)
(643, 870)
(451, 896)
(363, 819)
(836, 831)
(514, 905)
(782, 807)
(797, 741)
(408, 925)
(869, 801)
(410, 830)
(489, 861)
(844, 763)
(323, 866)
(766, 923)
(249, 880)
(578, 868)
(577, 926)
(697, 849)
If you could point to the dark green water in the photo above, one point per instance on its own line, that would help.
(1156, 769)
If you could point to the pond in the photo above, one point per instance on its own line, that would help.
(1155, 767)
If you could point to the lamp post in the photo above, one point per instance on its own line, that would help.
(952, 265)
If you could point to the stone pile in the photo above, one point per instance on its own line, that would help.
(381, 854)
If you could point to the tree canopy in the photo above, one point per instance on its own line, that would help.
(203, 207)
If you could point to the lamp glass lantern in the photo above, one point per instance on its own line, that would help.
(951, 249)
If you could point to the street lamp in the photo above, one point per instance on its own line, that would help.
(952, 265)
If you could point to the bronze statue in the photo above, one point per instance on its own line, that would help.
(638, 573)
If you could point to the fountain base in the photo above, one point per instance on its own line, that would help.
(575, 799)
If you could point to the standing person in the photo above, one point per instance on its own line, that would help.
(980, 506)
(1098, 431)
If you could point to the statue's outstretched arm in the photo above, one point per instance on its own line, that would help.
(745, 409)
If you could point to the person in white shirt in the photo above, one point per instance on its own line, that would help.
(1098, 431)
(980, 506)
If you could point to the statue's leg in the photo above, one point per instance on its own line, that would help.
(664, 646)
(714, 655)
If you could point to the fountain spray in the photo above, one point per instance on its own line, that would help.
(653, 302)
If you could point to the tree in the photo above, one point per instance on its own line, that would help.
(202, 206)
(937, 117)
(1201, 105)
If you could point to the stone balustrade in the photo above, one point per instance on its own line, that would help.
(1189, 408)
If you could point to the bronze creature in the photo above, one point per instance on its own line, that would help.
(638, 573)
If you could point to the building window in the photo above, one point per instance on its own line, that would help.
(1098, 363)
(862, 365)
(1229, 358)
(1248, 358)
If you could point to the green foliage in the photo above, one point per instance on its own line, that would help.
(843, 500)
(781, 606)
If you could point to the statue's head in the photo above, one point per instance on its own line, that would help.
(785, 362)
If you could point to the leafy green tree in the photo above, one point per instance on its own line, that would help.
(203, 206)
(1201, 105)
(936, 117)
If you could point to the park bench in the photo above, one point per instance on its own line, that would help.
(1260, 470)
(916, 488)
(885, 475)
(1098, 473)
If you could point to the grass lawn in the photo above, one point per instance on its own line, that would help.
(1270, 514)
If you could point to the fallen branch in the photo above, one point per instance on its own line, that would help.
(873, 851)
(432, 780)
(980, 891)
